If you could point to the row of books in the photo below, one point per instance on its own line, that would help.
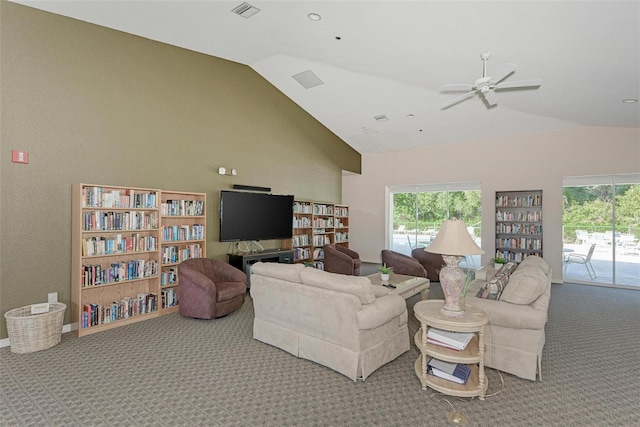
(117, 198)
(177, 233)
(299, 207)
(517, 201)
(508, 228)
(302, 222)
(175, 254)
(300, 240)
(511, 256)
(99, 314)
(301, 253)
(535, 216)
(456, 372)
(323, 222)
(118, 245)
(342, 211)
(116, 221)
(342, 237)
(169, 298)
(519, 243)
(96, 274)
(169, 276)
(321, 240)
(182, 208)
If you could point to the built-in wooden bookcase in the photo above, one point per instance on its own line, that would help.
(315, 225)
(115, 260)
(182, 236)
(123, 241)
(518, 224)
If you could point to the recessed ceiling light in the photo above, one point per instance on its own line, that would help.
(630, 100)
(411, 116)
(314, 16)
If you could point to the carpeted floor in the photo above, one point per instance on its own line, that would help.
(176, 371)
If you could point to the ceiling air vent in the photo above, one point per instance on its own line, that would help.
(308, 79)
(381, 118)
(245, 10)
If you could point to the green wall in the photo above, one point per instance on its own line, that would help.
(99, 106)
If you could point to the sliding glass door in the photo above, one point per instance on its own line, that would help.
(417, 212)
(601, 223)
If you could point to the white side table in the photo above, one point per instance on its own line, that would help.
(474, 320)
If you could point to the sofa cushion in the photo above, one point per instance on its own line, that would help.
(356, 285)
(493, 288)
(288, 272)
(536, 261)
(380, 291)
(526, 284)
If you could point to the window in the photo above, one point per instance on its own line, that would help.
(416, 212)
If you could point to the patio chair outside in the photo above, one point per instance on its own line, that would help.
(574, 258)
(582, 237)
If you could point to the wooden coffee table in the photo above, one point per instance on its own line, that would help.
(405, 286)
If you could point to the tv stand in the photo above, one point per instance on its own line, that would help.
(244, 261)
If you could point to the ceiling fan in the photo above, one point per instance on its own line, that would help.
(486, 85)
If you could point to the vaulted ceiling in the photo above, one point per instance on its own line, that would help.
(382, 64)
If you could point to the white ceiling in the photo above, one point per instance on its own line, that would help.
(392, 58)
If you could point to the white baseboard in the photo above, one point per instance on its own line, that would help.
(5, 342)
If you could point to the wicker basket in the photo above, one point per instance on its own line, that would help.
(34, 332)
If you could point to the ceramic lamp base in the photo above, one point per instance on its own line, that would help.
(452, 281)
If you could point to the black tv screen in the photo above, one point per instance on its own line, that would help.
(255, 216)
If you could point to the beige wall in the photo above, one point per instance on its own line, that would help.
(99, 106)
(530, 162)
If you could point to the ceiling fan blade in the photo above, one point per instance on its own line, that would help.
(457, 99)
(519, 83)
(510, 68)
(490, 97)
(456, 87)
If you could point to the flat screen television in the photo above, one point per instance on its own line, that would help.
(255, 216)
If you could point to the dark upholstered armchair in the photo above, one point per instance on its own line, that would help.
(341, 260)
(209, 288)
(403, 264)
(431, 262)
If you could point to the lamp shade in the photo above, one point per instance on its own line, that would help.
(454, 239)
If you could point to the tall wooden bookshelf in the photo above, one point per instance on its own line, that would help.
(518, 224)
(118, 242)
(315, 225)
(115, 256)
(182, 236)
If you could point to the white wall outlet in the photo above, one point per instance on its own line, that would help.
(53, 297)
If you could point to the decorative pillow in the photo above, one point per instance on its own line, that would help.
(526, 285)
(380, 291)
(536, 261)
(506, 269)
(493, 288)
(288, 272)
(356, 285)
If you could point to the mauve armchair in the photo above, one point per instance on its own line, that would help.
(341, 260)
(209, 288)
(403, 264)
(433, 263)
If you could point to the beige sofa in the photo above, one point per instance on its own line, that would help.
(515, 335)
(331, 319)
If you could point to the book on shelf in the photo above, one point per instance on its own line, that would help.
(454, 340)
(456, 372)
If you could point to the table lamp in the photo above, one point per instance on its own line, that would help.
(453, 242)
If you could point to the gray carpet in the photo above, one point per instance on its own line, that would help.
(176, 371)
